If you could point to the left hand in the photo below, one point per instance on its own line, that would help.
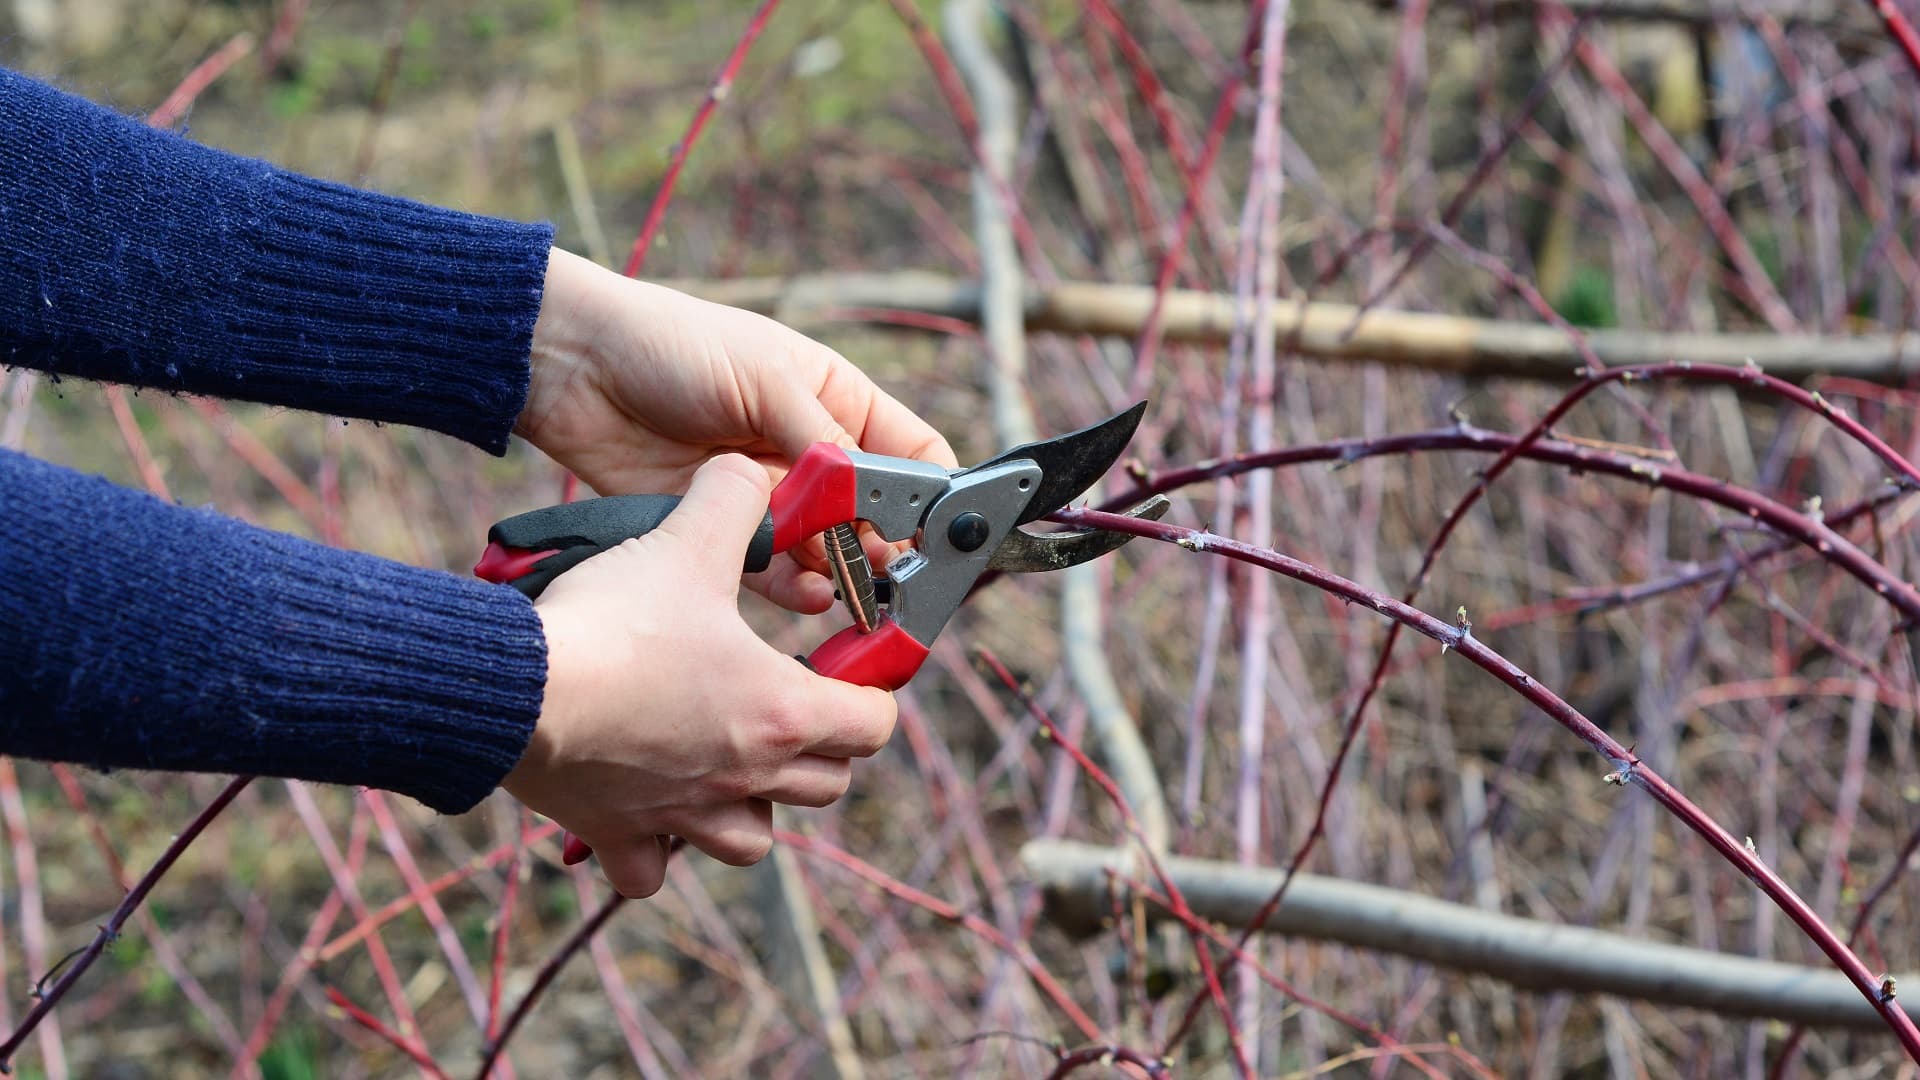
(634, 385)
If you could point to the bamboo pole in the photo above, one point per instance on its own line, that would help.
(1449, 343)
(1076, 880)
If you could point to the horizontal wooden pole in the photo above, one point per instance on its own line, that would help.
(1326, 331)
(1075, 881)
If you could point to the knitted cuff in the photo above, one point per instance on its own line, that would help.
(136, 256)
(408, 313)
(134, 634)
(398, 678)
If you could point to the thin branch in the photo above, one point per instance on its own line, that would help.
(717, 93)
(110, 931)
(548, 972)
(1901, 29)
(1628, 769)
(899, 890)
(1147, 851)
(171, 110)
(399, 906)
(412, 1047)
(1267, 189)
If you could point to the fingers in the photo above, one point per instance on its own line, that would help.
(721, 510)
(845, 407)
(892, 428)
(810, 780)
(799, 419)
(793, 587)
(738, 834)
(636, 869)
(877, 422)
(847, 720)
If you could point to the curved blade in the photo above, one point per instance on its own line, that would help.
(1070, 463)
(1023, 552)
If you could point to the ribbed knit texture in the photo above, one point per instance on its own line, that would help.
(134, 634)
(137, 634)
(137, 256)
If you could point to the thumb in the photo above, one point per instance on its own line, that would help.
(720, 512)
(797, 419)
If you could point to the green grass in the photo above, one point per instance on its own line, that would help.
(292, 1055)
(1587, 301)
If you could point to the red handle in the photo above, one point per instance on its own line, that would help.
(885, 656)
(815, 495)
(504, 565)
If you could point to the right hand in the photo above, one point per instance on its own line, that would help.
(666, 715)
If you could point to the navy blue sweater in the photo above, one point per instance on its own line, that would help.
(138, 634)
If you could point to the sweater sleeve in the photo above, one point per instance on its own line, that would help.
(136, 256)
(142, 635)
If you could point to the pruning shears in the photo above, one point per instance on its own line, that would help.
(962, 524)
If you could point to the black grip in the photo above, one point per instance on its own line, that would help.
(577, 531)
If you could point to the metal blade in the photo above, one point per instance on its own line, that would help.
(1070, 463)
(1023, 552)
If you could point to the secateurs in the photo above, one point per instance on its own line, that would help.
(962, 523)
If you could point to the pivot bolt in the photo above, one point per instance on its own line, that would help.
(968, 531)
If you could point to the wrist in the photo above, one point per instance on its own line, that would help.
(566, 334)
(558, 698)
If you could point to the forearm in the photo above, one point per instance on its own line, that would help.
(137, 256)
(140, 635)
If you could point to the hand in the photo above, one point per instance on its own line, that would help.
(665, 715)
(634, 385)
